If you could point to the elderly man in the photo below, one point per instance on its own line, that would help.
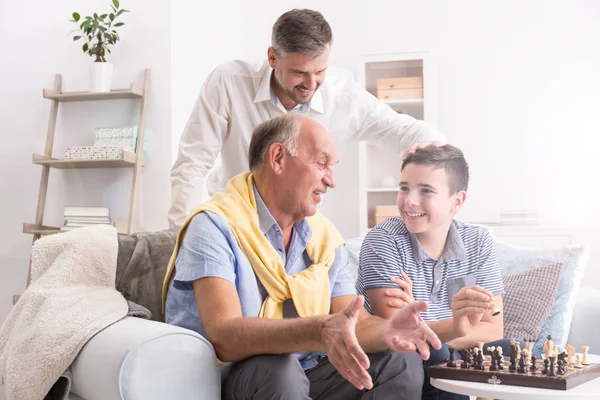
(264, 277)
(237, 96)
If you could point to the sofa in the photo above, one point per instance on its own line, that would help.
(147, 359)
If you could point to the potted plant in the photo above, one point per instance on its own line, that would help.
(99, 33)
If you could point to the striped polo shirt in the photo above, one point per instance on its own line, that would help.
(469, 258)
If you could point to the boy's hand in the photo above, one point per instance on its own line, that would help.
(419, 146)
(406, 331)
(400, 298)
(468, 306)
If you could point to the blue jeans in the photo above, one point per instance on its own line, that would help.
(438, 357)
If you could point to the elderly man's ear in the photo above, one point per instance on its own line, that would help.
(277, 158)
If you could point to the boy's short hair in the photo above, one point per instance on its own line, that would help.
(448, 157)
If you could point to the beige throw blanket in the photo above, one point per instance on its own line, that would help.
(71, 298)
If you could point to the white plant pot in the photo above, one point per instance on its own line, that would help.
(100, 76)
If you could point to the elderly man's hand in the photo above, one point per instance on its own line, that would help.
(406, 331)
(468, 306)
(419, 146)
(342, 347)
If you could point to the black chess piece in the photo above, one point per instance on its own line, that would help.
(521, 369)
(494, 361)
(552, 369)
(545, 370)
(512, 367)
(465, 359)
(560, 366)
(451, 363)
(480, 359)
(533, 367)
(499, 359)
(473, 358)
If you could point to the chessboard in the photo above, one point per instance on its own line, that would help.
(572, 377)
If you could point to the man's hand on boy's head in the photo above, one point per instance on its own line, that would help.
(419, 146)
(406, 331)
(468, 306)
(400, 298)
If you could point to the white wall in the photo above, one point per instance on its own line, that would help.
(518, 82)
(518, 90)
(35, 46)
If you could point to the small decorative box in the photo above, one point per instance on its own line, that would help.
(94, 153)
(123, 137)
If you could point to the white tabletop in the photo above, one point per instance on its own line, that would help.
(587, 390)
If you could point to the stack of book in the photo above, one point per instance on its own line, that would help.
(78, 217)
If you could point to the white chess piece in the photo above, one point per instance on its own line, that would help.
(570, 354)
(578, 361)
(585, 361)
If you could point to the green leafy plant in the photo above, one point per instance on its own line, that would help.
(98, 31)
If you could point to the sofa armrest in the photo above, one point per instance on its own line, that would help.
(140, 359)
(585, 327)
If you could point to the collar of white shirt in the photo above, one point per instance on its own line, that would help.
(265, 93)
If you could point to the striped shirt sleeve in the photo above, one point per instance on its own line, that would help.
(379, 260)
(488, 270)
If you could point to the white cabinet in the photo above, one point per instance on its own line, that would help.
(379, 169)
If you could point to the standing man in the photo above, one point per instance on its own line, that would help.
(238, 96)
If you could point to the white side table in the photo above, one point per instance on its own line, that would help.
(589, 390)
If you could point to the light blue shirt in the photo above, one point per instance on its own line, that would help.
(209, 249)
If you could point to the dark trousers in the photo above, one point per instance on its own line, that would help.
(395, 375)
(438, 357)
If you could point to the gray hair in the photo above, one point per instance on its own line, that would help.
(301, 31)
(283, 129)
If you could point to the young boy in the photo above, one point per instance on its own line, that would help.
(424, 254)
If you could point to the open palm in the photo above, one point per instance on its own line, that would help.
(406, 331)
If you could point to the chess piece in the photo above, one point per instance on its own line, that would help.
(529, 346)
(480, 359)
(561, 369)
(466, 357)
(548, 347)
(493, 359)
(552, 370)
(584, 360)
(494, 310)
(546, 363)
(451, 362)
(527, 357)
(499, 358)
(512, 367)
(521, 368)
(474, 357)
(533, 367)
(571, 354)
(578, 361)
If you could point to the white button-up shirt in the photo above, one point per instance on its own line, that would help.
(236, 97)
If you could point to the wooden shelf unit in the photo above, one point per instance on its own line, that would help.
(128, 161)
(135, 91)
(45, 230)
(134, 160)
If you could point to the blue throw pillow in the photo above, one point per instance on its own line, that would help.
(514, 260)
